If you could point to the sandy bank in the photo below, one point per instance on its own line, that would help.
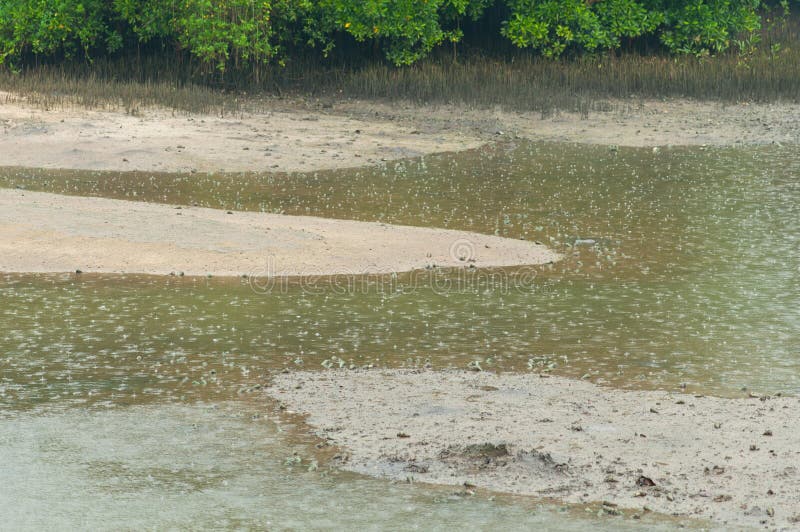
(733, 461)
(272, 138)
(41, 232)
(298, 135)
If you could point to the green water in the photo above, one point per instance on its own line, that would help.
(682, 267)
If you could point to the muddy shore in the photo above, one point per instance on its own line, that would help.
(301, 135)
(733, 462)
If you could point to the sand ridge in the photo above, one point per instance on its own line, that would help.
(43, 232)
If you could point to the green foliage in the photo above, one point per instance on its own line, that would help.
(627, 18)
(686, 27)
(406, 29)
(707, 26)
(218, 33)
(147, 18)
(56, 27)
(222, 34)
(553, 25)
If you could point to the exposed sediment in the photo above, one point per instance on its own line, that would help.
(42, 232)
(282, 135)
(732, 461)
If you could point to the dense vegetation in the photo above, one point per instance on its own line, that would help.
(220, 35)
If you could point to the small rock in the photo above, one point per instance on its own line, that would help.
(645, 482)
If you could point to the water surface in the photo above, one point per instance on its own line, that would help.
(682, 267)
(221, 467)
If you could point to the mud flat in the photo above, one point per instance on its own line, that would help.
(275, 135)
(272, 137)
(42, 232)
(731, 461)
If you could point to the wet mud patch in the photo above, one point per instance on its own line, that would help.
(480, 458)
(476, 456)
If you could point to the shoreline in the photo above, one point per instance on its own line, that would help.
(729, 461)
(276, 135)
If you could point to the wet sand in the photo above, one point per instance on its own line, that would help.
(731, 461)
(42, 232)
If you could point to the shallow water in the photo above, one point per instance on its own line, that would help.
(220, 467)
(682, 267)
